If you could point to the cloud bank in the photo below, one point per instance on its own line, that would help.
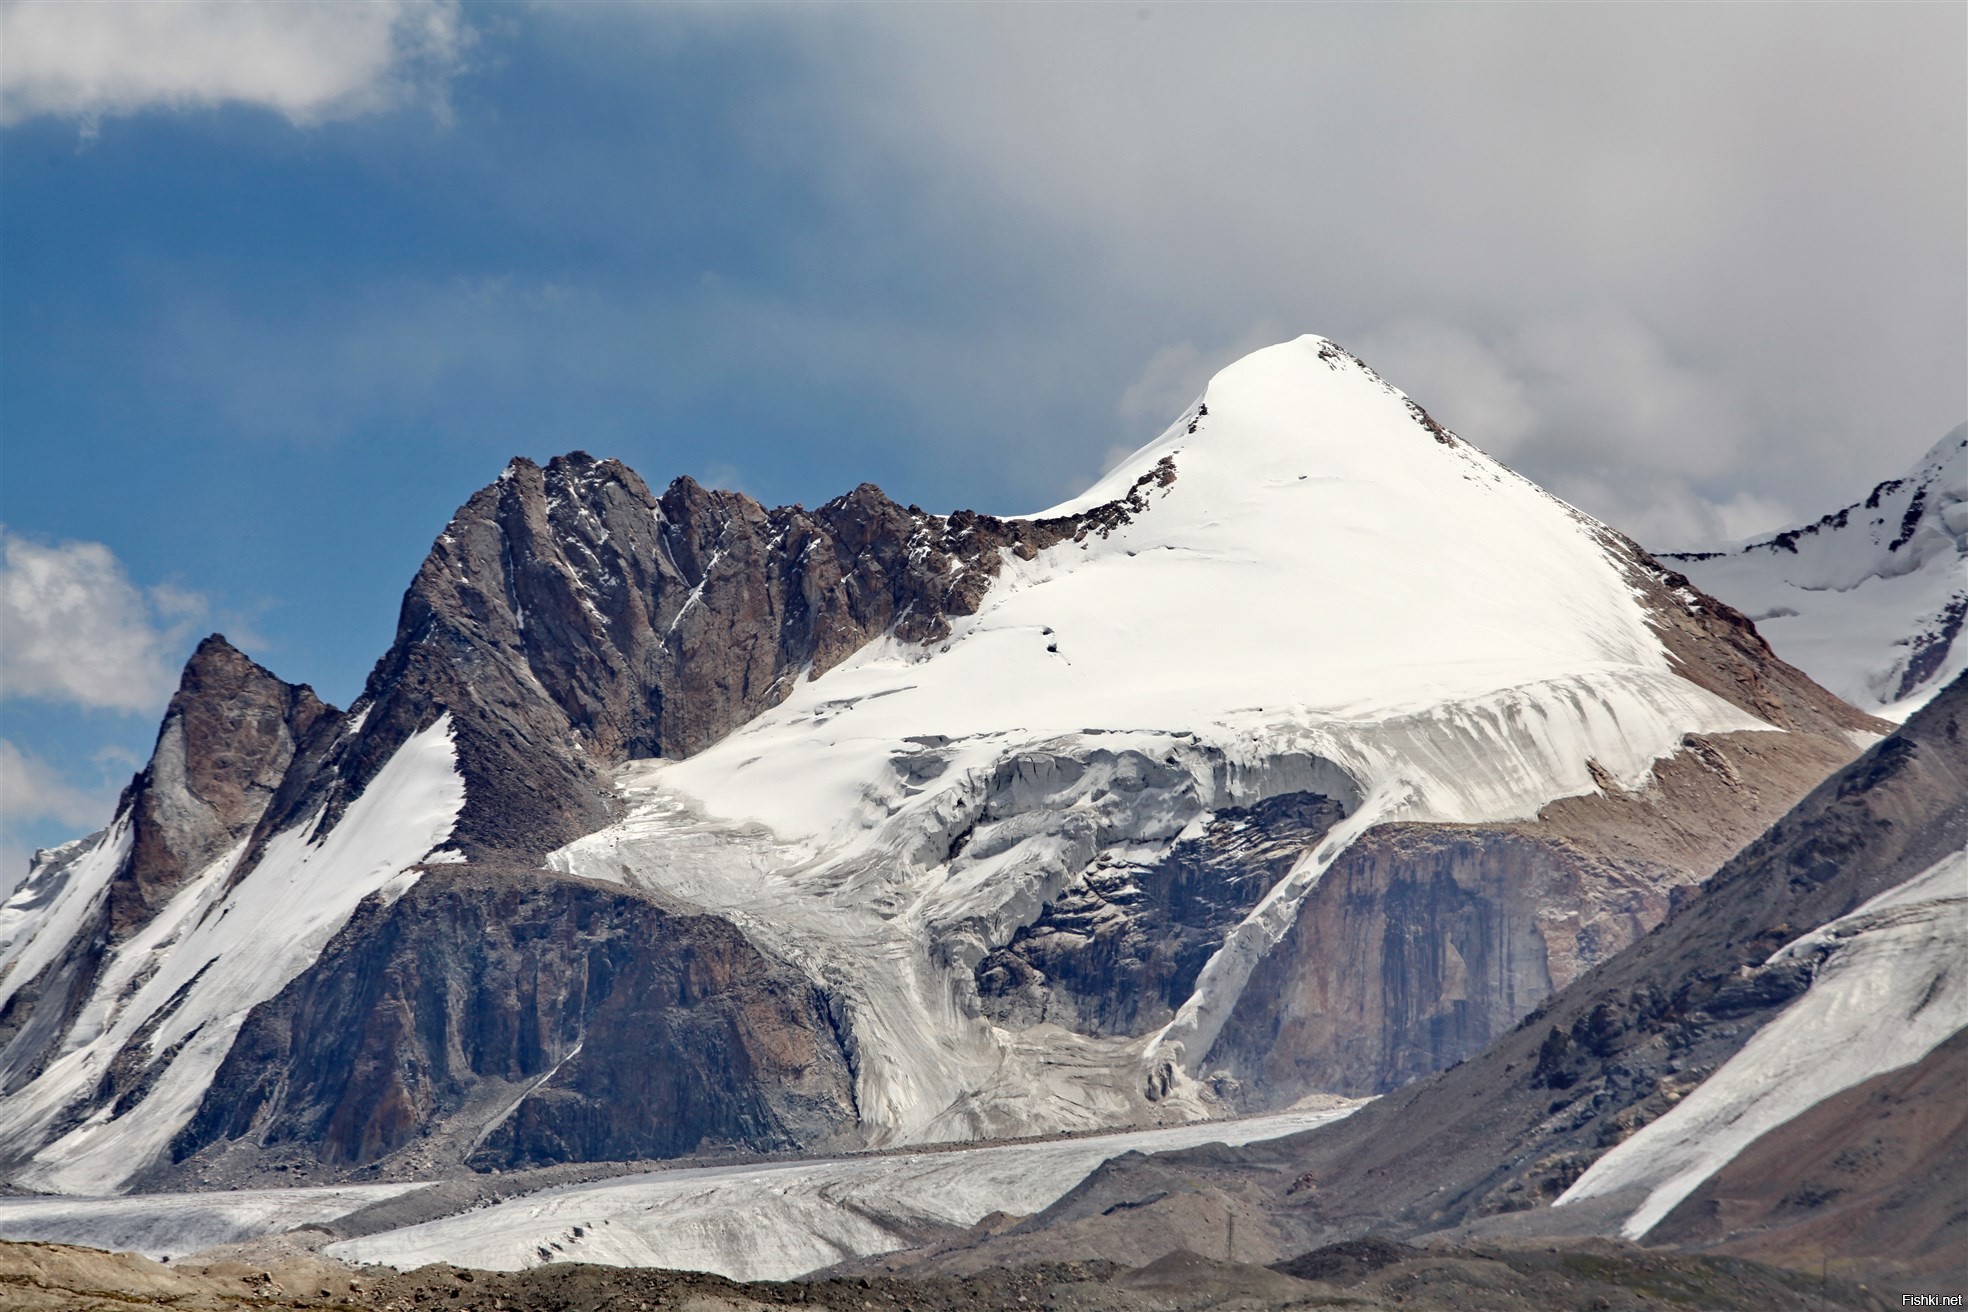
(308, 60)
(1695, 268)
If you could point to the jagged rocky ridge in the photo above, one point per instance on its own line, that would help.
(228, 737)
(568, 621)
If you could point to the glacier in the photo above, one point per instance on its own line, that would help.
(1332, 594)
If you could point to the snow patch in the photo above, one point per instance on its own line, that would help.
(1889, 989)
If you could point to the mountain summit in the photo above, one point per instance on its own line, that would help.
(1307, 751)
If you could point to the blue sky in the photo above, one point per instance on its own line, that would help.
(281, 286)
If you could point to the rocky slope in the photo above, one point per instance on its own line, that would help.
(1588, 1103)
(979, 826)
(1870, 599)
(445, 1013)
(59, 1278)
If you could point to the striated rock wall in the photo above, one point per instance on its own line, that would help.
(516, 1017)
(570, 619)
(227, 739)
(1423, 943)
(1120, 949)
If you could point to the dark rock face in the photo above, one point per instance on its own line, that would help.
(1423, 943)
(228, 736)
(1420, 945)
(522, 1017)
(227, 739)
(1120, 950)
(1512, 1128)
(569, 620)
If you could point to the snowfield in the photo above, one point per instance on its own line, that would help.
(780, 1221)
(181, 987)
(1889, 989)
(1331, 595)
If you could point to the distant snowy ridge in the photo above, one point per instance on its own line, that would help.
(1333, 594)
(1869, 600)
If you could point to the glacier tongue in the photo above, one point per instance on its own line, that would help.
(780, 1221)
(1332, 595)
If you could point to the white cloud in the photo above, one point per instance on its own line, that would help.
(75, 629)
(1465, 383)
(35, 795)
(306, 59)
(1596, 407)
(31, 789)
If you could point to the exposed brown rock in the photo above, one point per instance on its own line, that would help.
(228, 735)
(1423, 943)
(569, 620)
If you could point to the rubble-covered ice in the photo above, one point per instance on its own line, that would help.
(780, 1221)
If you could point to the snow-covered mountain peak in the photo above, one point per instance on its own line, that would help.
(1869, 599)
(1304, 408)
(1306, 539)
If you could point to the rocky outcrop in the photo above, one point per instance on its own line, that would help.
(507, 1018)
(227, 739)
(569, 619)
(1119, 951)
(1423, 943)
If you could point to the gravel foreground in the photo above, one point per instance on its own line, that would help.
(1365, 1274)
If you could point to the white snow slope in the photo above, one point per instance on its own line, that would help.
(173, 1225)
(1889, 988)
(780, 1221)
(181, 987)
(1854, 598)
(1329, 596)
